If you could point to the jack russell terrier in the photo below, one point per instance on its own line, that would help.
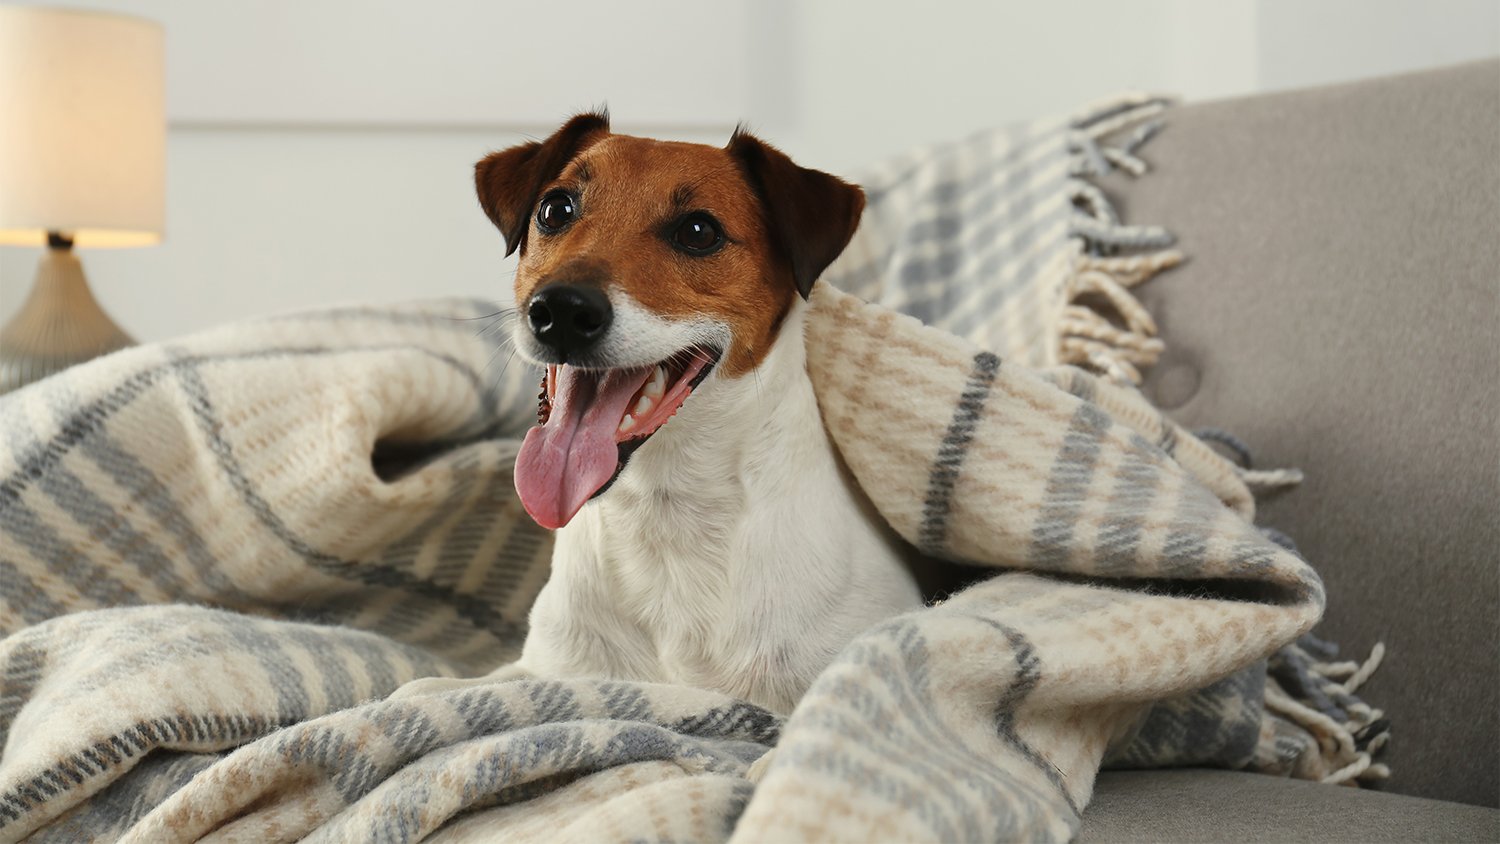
(707, 533)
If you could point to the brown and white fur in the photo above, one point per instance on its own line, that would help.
(732, 551)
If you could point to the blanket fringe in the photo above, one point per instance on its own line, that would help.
(1264, 480)
(1117, 348)
(1258, 481)
(1101, 325)
(1349, 732)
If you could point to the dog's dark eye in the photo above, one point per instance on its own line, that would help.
(556, 211)
(698, 235)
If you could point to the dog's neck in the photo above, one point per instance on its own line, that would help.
(727, 442)
(741, 481)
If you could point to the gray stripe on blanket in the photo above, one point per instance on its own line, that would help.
(1028, 673)
(894, 656)
(1080, 384)
(995, 275)
(1168, 439)
(1218, 726)
(152, 499)
(1132, 499)
(116, 532)
(70, 564)
(19, 676)
(478, 612)
(1068, 488)
(464, 539)
(110, 813)
(402, 553)
(937, 278)
(932, 535)
(108, 753)
(87, 419)
(19, 592)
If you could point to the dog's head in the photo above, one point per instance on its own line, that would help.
(646, 266)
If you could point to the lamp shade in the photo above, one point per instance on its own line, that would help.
(82, 127)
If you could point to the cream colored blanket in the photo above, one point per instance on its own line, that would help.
(218, 556)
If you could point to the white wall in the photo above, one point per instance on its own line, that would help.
(321, 150)
(1311, 43)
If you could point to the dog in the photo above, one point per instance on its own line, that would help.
(707, 532)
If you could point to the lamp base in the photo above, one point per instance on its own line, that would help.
(59, 325)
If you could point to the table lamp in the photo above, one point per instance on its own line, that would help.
(82, 164)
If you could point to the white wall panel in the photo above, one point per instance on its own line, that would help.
(1300, 42)
(449, 62)
(321, 150)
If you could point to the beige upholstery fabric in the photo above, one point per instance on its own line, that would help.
(1204, 805)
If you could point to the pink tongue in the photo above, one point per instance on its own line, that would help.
(563, 463)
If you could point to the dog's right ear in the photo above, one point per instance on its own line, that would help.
(509, 181)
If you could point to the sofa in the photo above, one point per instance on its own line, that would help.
(1338, 314)
(346, 524)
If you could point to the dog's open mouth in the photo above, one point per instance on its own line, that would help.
(591, 421)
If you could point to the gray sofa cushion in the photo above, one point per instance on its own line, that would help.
(1199, 805)
(1339, 312)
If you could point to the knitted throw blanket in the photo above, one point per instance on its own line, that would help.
(218, 557)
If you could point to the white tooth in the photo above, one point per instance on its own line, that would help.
(643, 406)
(627, 423)
(658, 383)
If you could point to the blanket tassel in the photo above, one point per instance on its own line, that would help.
(1103, 327)
(1350, 733)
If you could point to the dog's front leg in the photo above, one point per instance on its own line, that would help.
(437, 685)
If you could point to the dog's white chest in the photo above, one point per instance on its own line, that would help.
(689, 604)
(734, 553)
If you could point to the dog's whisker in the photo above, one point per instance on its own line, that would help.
(501, 324)
(500, 379)
(500, 313)
(496, 353)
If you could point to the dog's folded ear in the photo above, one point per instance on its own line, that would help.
(811, 214)
(510, 180)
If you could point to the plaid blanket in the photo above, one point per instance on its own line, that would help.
(218, 556)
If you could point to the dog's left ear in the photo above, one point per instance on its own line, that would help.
(811, 214)
(509, 181)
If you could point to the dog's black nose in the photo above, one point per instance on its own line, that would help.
(569, 318)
